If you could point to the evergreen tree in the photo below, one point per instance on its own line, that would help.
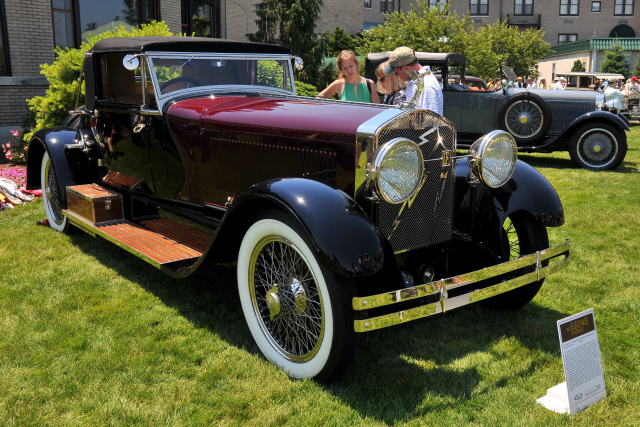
(338, 41)
(636, 69)
(577, 66)
(615, 61)
(291, 23)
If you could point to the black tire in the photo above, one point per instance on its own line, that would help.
(52, 197)
(526, 116)
(299, 314)
(598, 146)
(522, 235)
(73, 120)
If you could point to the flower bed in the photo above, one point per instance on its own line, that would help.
(17, 174)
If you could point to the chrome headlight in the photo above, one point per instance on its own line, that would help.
(493, 158)
(395, 170)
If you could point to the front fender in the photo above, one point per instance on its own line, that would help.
(344, 238)
(526, 191)
(602, 116)
(53, 141)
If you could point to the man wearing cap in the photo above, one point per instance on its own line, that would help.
(560, 84)
(613, 95)
(531, 84)
(403, 59)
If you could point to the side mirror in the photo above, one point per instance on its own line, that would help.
(130, 62)
(299, 63)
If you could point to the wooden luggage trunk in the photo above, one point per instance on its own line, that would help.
(95, 203)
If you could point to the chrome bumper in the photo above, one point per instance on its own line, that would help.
(439, 289)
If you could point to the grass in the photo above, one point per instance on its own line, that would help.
(91, 335)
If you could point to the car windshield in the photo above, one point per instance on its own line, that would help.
(184, 72)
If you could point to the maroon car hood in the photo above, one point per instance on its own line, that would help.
(318, 120)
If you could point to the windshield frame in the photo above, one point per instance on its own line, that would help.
(161, 99)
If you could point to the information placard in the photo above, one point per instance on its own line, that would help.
(584, 378)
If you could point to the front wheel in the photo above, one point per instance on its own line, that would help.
(52, 196)
(522, 235)
(298, 313)
(598, 146)
(526, 116)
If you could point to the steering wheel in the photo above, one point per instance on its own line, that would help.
(168, 83)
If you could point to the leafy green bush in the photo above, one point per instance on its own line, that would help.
(64, 72)
(305, 89)
(270, 73)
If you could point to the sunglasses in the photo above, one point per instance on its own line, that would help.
(382, 79)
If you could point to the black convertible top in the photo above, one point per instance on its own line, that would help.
(184, 44)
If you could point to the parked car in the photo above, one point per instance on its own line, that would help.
(540, 121)
(343, 218)
(581, 80)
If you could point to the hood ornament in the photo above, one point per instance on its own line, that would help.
(418, 79)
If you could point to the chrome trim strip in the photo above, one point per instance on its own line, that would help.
(367, 140)
(79, 222)
(435, 287)
(392, 319)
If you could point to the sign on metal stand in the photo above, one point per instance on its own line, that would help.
(584, 378)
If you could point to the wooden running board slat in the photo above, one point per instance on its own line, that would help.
(153, 245)
(182, 234)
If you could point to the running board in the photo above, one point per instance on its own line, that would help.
(178, 252)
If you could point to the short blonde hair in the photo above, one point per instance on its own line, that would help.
(395, 83)
(344, 55)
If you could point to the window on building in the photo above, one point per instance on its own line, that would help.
(97, 17)
(623, 7)
(367, 4)
(479, 7)
(435, 3)
(523, 7)
(62, 11)
(201, 18)
(595, 6)
(567, 38)
(569, 7)
(386, 6)
(4, 45)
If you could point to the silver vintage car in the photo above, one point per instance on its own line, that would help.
(540, 121)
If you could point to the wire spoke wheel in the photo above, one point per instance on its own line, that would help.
(524, 118)
(286, 298)
(51, 196)
(597, 148)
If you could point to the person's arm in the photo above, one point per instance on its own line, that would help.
(374, 93)
(332, 89)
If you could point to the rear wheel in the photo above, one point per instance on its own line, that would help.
(598, 146)
(522, 235)
(52, 196)
(299, 314)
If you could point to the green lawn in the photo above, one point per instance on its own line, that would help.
(91, 335)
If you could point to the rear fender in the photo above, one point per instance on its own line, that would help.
(53, 141)
(344, 238)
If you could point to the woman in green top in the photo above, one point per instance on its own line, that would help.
(350, 85)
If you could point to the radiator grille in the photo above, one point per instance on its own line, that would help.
(429, 219)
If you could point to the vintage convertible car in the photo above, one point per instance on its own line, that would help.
(344, 218)
(540, 121)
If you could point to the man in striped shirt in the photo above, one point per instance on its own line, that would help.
(403, 59)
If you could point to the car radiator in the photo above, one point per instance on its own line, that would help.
(427, 218)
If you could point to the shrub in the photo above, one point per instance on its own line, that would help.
(305, 89)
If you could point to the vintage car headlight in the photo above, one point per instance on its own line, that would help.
(395, 170)
(493, 158)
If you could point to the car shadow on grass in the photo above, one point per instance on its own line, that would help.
(398, 373)
(541, 161)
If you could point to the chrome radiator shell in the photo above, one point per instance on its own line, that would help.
(426, 219)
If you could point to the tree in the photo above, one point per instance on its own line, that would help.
(577, 66)
(636, 69)
(423, 28)
(615, 60)
(291, 23)
(337, 42)
(428, 29)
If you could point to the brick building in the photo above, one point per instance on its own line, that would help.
(30, 29)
